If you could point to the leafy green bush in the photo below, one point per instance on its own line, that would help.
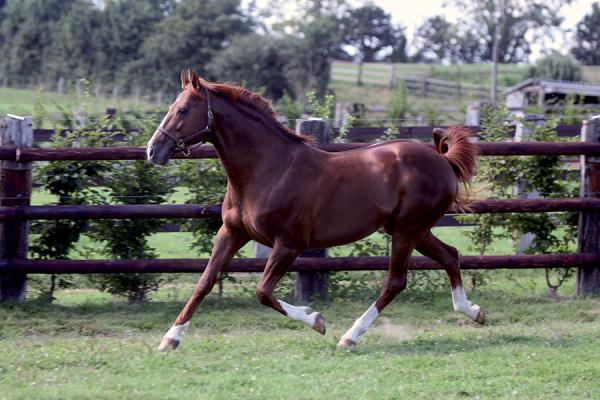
(72, 182)
(399, 107)
(544, 175)
(131, 182)
(320, 109)
(556, 66)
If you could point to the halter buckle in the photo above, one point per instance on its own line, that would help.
(181, 146)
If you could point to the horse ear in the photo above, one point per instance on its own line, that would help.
(196, 82)
(184, 79)
(440, 139)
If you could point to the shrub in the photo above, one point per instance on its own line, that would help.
(131, 182)
(72, 183)
(545, 175)
(556, 66)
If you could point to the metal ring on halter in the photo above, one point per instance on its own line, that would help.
(194, 137)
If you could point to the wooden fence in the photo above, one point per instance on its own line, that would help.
(17, 155)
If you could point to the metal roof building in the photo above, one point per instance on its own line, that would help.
(544, 92)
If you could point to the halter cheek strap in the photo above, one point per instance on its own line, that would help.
(195, 137)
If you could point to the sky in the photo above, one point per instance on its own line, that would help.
(410, 14)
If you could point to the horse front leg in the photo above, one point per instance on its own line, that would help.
(280, 260)
(227, 242)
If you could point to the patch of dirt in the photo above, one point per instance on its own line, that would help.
(385, 327)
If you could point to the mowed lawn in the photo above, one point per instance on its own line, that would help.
(92, 346)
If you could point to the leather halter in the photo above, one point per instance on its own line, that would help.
(194, 137)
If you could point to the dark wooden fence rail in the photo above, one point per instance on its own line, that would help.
(586, 260)
(356, 134)
(139, 153)
(146, 211)
(307, 264)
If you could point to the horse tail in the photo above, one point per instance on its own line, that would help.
(453, 144)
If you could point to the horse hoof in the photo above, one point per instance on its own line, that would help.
(320, 325)
(168, 344)
(347, 344)
(480, 318)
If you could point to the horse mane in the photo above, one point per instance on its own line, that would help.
(236, 93)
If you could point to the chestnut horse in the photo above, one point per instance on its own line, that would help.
(285, 193)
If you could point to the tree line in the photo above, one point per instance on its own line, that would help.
(145, 43)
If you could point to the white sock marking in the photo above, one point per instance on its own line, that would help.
(299, 313)
(361, 324)
(176, 331)
(462, 305)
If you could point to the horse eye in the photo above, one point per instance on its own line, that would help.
(182, 111)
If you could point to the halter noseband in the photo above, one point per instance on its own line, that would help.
(195, 137)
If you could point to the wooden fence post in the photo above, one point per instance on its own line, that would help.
(15, 190)
(309, 285)
(359, 74)
(588, 278)
(472, 116)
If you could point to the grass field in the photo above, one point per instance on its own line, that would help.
(89, 346)
(23, 102)
(380, 73)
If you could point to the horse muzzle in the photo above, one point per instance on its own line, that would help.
(158, 153)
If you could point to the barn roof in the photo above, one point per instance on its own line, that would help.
(552, 86)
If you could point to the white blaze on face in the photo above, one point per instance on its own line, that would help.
(462, 305)
(176, 331)
(153, 138)
(361, 324)
(299, 313)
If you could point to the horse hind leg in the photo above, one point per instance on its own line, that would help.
(279, 262)
(447, 257)
(402, 247)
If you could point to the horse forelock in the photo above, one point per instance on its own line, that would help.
(236, 93)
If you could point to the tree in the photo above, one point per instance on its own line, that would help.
(258, 61)
(520, 23)
(124, 27)
(189, 37)
(31, 26)
(434, 40)
(310, 41)
(75, 48)
(369, 30)
(587, 38)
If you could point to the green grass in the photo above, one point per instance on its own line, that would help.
(508, 74)
(88, 345)
(23, 102)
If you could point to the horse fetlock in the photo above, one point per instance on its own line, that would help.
(319, 324)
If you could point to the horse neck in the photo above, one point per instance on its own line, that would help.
(249, 144)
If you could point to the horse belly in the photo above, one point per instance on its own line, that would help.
(353, 216)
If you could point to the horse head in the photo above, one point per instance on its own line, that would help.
(188, 121)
